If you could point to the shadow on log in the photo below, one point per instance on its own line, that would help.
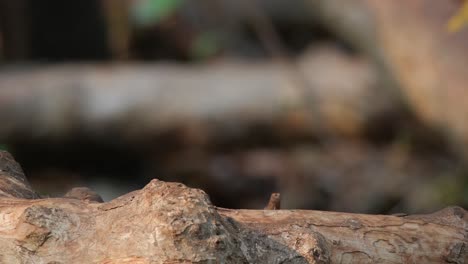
(171, 223)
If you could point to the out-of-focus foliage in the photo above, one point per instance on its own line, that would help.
(205, 45)
(459, 20)
(3, 147)
(450, 191)
(156, 13)
(150, 12)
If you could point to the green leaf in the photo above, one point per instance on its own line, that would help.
(148, 12)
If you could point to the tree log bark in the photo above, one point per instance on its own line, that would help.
(171, 223)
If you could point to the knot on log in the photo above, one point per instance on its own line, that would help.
(182, 223)
(187, 220)
(174, 222)
(42, 222)
(85, 194)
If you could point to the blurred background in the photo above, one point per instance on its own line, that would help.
(345, 105)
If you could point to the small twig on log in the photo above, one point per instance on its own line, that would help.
(274, 203)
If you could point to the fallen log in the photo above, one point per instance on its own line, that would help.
(222, 100)
(171, 223)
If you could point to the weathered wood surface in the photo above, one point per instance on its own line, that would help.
(353, 238)
(13, 183)
(171, 223)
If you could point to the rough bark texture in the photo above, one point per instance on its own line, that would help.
(171, 223)
(13, 183)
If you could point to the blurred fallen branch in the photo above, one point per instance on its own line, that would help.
(223, 99)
